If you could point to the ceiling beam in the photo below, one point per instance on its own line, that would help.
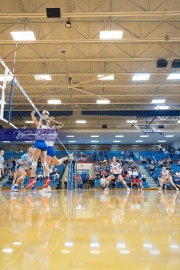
(92, 74)
(101, 20)
(49, 60)
(92, 15)
(176, 103)
(29, 86)
(94, 41)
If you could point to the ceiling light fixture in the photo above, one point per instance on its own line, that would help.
(105, 35)
(144, 136)
(157, 101)
(81, 121)
(139, 141)
(54, 101)
(94, 141)
(68, 23)
(131, 121)
(105, 78)
(94, 136)
(29, 122)
(162, 107)
(116, 141)
(102, 101)
(174, 76)
(69, 136)
(119, 136)
(40, 77)
(23, 35)
(72, 141)
(169, 136)
(141, 77)
(161, 141)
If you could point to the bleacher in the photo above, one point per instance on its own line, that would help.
(138, 155)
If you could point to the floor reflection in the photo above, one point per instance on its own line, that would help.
(90, 229)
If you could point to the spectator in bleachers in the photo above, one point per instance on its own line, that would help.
(144, 160)
(178, 173)
(151, 169)
(179, 162)
(100, 154)
(154, 159)
(169, 160)
(127, 154)
(127, 160)
(160, 163)
(39, 176)
(148, 160)
(129, 172)
(130, 160)
(171, 153)
(135, 173)
(97, 174)
(128, 180)
(10, 178)
(122, 161)
(103, 172)
(65, 182)
(55, 174)
(106, 154)
(137, 182)
(178, 154)
(94, 154)
(125, 169)
(123, 174)
(143, 177)
(131, 154)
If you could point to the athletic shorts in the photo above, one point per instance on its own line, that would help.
(41, 145)
(51, 152)
(116, 175)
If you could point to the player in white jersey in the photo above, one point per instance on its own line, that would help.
(166, 178)
(40, 149)
(1, 163)
(116, 171)
(24, 169)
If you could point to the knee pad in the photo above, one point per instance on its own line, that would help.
(44, 164)
(34, 163)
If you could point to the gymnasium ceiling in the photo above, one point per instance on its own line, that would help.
(151, 31)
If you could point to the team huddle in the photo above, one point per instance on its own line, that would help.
(43, 149)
